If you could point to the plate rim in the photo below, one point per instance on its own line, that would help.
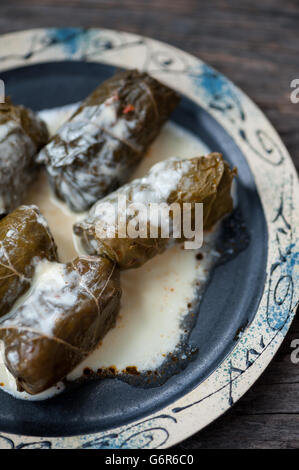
(276, 181)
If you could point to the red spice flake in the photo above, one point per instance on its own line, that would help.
(128, 109)
(2, 384)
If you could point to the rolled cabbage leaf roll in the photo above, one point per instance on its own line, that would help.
(64, 315)
(22, 134)
(25, 239)
(98, 148)
(204, 180)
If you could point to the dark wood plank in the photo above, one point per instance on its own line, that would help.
(256, 45)
(266, 431)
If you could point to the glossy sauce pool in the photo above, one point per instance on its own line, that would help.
(155, 297)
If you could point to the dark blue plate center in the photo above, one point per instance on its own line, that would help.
(230, 301)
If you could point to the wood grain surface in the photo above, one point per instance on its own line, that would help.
(256, 44)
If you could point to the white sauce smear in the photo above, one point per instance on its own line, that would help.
(155, 296)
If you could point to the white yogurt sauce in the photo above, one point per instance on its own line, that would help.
(155, 296)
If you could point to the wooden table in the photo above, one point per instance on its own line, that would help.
(256, 44)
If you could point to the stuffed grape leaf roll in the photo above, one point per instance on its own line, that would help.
(22, 134)
(204, 180)
(25, 239)
(98, 148)
(64, 315)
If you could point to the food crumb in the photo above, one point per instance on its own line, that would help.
(132, 370)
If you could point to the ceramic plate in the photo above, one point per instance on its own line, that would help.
(250, 301)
